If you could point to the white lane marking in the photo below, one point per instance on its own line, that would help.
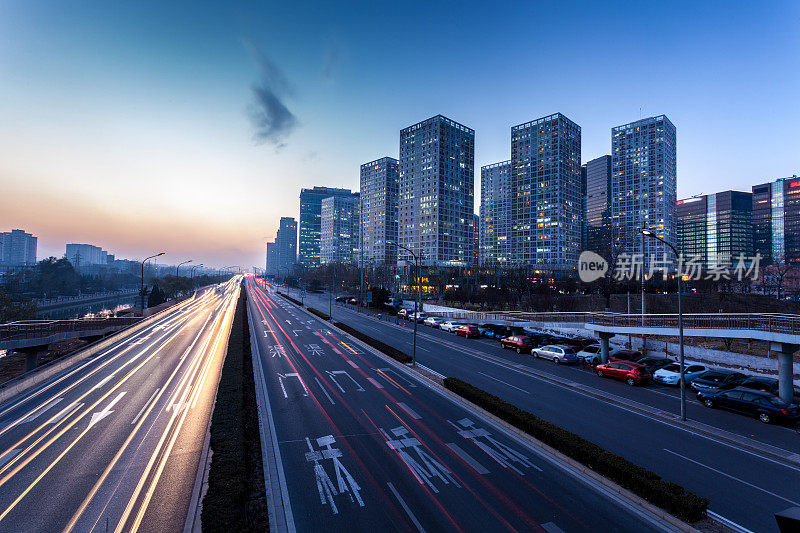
(334, 373)
(406, 508)
(352, 363)
(467, 458)
(10, 454)
(281, 377)
(38, 412)
(504, 383)
(397, 377)
(98, 416)
(552, 528)
(323, 390)
(64, 412)
(145, 406)
(732, 477)
(377, 385)
(413, 414)
(104, 381)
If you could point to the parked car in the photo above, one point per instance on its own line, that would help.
(419, 317)
(654, 363)
(671, 374)
(556, 353)
(623, 354)
(589, 355)
(764, 405)
(467, 331)
(630, 372)
(433, 321)
(520, 343)
(449, 325)
(716, 378)
(403, 313)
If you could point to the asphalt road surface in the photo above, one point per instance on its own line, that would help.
(363, 445)
(113, 443)
(743, 486)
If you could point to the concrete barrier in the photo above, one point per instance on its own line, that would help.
(18, 385)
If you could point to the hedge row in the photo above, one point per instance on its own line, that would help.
(319, 313)
(391, 351)
(236, 497)
(669, 496)
(296, 302)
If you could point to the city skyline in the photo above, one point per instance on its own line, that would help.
(134, 132)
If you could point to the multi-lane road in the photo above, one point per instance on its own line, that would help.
(743, 485)
(114, 443)
(352, 441)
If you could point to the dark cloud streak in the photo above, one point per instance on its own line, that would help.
(273, 121)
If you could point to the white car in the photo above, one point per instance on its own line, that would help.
(590, 354)
(557, 354)
(671, 374)
(419, 317)
(433, 321)
(449, 325)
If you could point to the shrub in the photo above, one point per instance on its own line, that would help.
(319, 313)
(669, 496)
(391, 351)
(296, 302)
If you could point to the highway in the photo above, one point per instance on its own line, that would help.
(743, 486)
(113, 443)
(361, 444)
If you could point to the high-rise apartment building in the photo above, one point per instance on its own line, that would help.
(436, 192)
(339, 223)
(476, 238)
(598, 206)
(379, 187)
(644, 187)
(310, 222)
(272, 259)
(714, 230)
(286, 242)
(84, 255)
(546, 183)
(776, 221)
(17, 248)
(496, 218)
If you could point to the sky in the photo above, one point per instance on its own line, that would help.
(190, 127)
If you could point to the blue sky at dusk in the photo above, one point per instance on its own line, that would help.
(142, 125)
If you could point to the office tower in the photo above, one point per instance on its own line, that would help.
(379, 186)
(17, 248)
(340, 221)
(584, 232)
(598, 206)
(546, 183)
(286, 242)
(272, 258)
(715, 229)
(476, 238)
(776, 221)
(84, 255)
(644, 188)
(310, 220)
(496, 219)
(436, 192)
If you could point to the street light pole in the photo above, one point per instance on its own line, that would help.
(177, 268)
(141, 289)
(649, 233)
(416, 301)
(191, 271)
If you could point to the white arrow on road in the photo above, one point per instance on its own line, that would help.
(98, 416)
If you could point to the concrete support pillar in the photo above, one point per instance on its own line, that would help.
(604, 347)
(32, 356)
(785, 351)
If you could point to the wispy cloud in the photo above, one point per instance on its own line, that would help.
(273, 121)
(331, 59)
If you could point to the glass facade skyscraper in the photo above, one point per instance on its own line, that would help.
(496, 220)
(547, 201)
(436, 192)
(598, 206)
(339, 224)
(715, 229)
(379, 187)
(644, 186)
(776, 221)
(310, 222)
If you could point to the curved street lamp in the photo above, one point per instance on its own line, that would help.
(648, 233)
(191, 271)
(141, 289)
(179, 266)
(416, 301)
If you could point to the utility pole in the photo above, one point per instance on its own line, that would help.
(643, 278)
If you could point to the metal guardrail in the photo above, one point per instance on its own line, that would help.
(764, 322)
(39, 329)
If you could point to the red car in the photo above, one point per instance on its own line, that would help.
(468, 330)
(519, 343)
(627, 371)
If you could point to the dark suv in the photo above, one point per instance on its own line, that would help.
(521, 344)
(767, 407)
(714, 379)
